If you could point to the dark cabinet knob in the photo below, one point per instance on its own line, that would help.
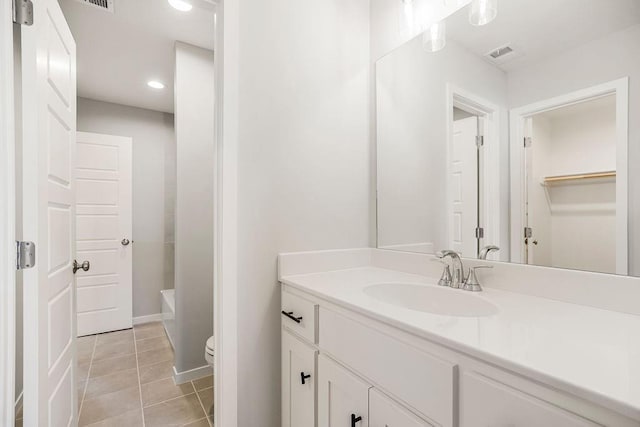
(355, 419)
(304, 377)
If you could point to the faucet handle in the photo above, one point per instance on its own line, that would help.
(471, 283)
(445, 279)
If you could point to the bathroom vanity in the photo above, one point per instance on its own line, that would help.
(369, 339)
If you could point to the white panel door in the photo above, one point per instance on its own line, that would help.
(464, 187)
(343, 398)
(383, 412)
(49, 127)
(103, 232)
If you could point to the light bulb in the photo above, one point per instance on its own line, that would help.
(435, 37)
(181, 5)
(483, 11)
(155, 84)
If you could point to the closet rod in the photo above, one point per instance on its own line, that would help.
(560, 178)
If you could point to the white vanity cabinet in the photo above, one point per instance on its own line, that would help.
(343, 398)
(363, 372)
(298, 382)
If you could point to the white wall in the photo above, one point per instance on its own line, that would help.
(412, 137)
(153, 139)
(194, 113)
(609, 58)
(303, 159)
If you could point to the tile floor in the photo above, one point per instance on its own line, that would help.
(125, 380)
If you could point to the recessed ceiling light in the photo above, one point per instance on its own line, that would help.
(181, 5)
(155, 84)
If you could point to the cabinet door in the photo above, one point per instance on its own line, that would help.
(488, 403)
(298, 382)
(343, 398)
(384, 412)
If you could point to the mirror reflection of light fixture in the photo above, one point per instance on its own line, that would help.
(482, 12)
(434, 39)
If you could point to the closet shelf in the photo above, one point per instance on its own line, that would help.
(560, 179)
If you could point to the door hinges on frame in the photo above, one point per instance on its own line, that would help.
(528, 232)
(479, 233)
(25, 255)
(479, 141)
(23, 12)
(528, 141)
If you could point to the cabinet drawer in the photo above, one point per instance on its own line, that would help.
(299, 382)
(420, 380)
(487, 403)
(299, 315)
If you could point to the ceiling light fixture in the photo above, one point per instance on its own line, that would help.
(434, 39)
(155, 84)
(181, 5)
(482, 12)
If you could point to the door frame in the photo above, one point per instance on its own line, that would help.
(518, 117)
(7, 217)
(490, 130)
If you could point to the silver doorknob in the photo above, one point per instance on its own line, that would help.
(125, 242)
(85, 266)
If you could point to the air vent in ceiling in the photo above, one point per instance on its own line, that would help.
(499, 52)
(106, 5)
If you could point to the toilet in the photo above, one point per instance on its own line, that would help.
(208, 351)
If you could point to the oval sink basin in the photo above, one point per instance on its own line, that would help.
(431, 299)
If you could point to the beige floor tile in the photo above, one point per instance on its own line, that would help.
(176, 412)
(109, 405)
(109, 350)
(200, 423)
(19, 423)
(153, 331)
(114, 337)
(155, 372)
(110, 383)
(156, 343)
(19, 413)
(154, 356)
(112, 365)
(81, 388)
(206, 397)
(128, 419)
(148, 325)
(159, 391)
(85, 347)
(202, 383)
(83, 370)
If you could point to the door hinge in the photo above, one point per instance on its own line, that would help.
(528, 232)
(23, 12)
(528, 141)
(479, 233)
(479, 141)
(25, 255)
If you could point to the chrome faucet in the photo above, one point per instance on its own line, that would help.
(485, 251)
(457, 276)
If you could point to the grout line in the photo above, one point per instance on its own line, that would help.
(206, 414)
(86, 382)
(135, 344)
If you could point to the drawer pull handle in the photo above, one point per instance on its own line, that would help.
(354, 420)
(290, 315)
(304, 377)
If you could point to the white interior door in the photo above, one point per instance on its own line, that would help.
(464, 186)
(103, 232)
(48, 135)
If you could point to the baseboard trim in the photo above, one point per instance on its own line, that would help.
(193, 374)
(147, 319)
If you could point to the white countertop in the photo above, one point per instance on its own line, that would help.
(589, 352)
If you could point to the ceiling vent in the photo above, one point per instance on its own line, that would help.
(500, 52)
(106, 5)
